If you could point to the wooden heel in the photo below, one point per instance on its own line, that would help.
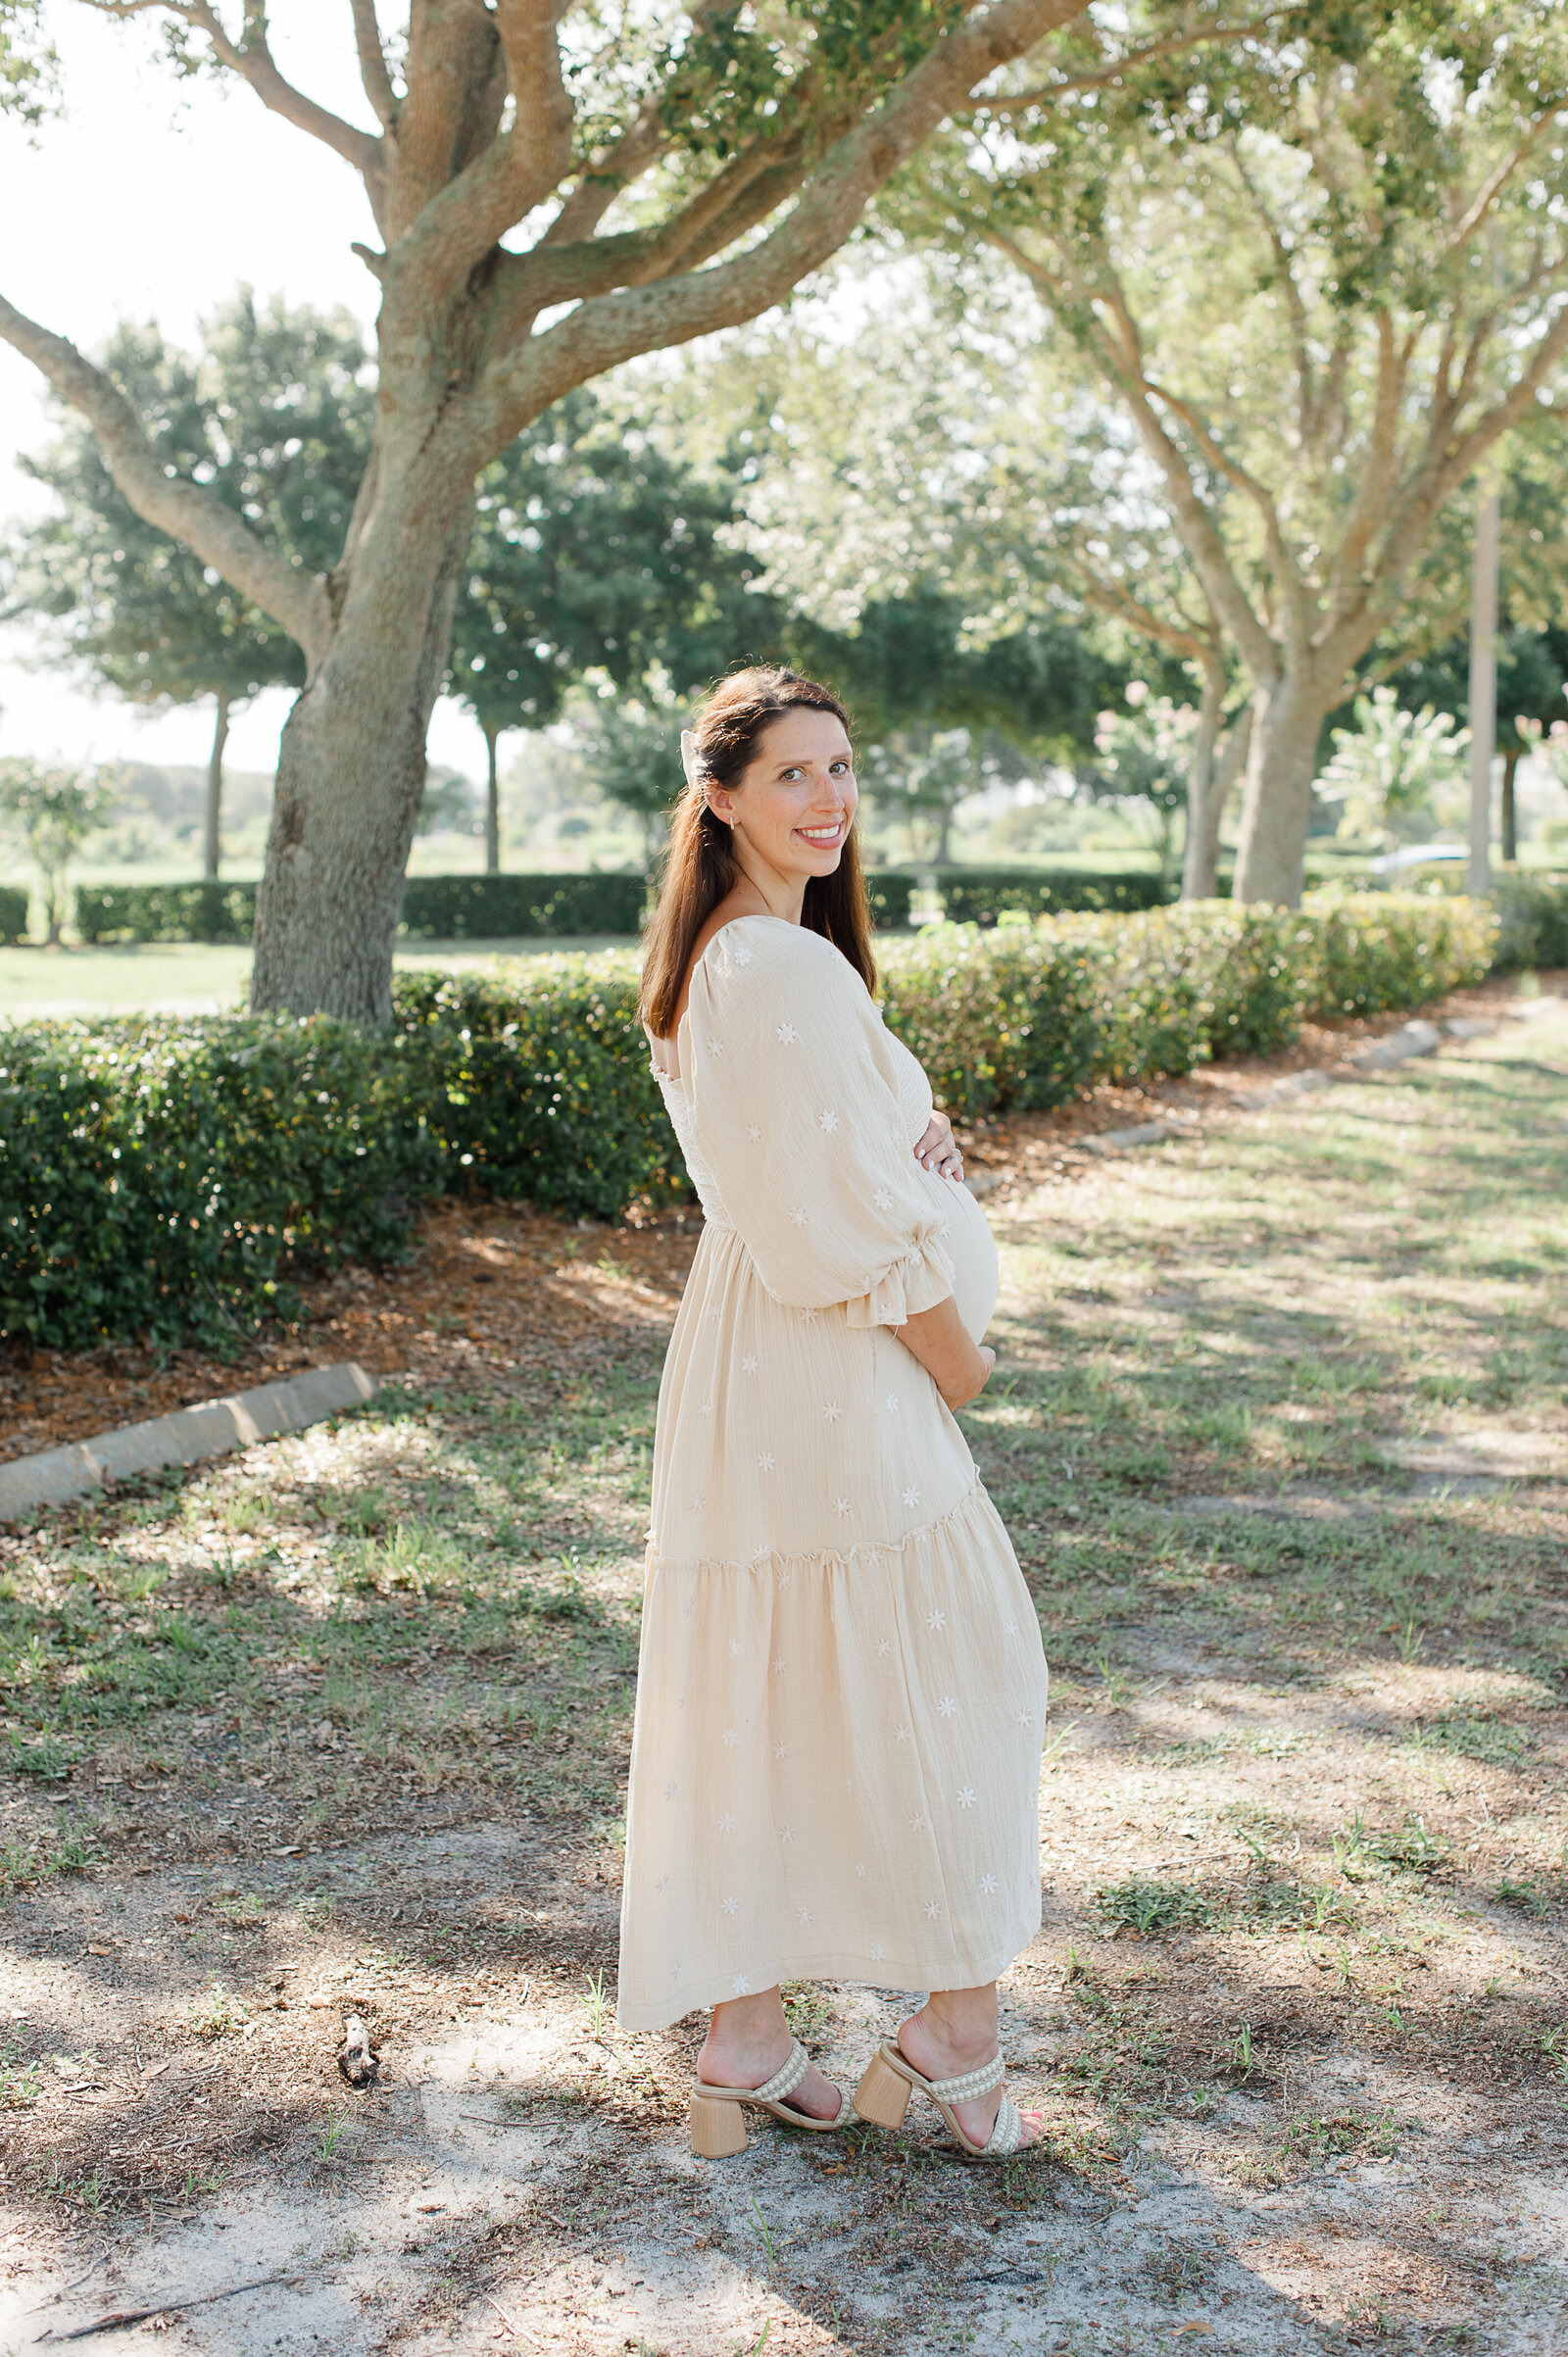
(883, 2095)
(717, 2129)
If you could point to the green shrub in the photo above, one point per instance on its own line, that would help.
(1377, 950)
(980, 895)
(13, 913)
(541, 1084)
(1533, 917)
(162, 1177)
(167, 1177)
(889, 893)
(207, 911)
(510, 906)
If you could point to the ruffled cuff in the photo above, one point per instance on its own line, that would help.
(918, 1281)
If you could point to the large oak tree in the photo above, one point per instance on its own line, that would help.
(662, 174)
(1322, 265)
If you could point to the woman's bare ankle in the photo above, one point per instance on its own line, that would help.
(956, 2028)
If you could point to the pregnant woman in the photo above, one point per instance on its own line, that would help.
(842, 1692)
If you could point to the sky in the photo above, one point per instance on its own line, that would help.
(154, 199)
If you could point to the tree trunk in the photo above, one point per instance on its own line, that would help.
(492, 807)
(1509, 828)
(944, 837)
(1276, 801)
(1200, 869)
(212, 848)
(350, 778)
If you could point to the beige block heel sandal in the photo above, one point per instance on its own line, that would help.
(718, 2125)
(883, 2097)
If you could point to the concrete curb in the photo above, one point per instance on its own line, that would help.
(213, 1428)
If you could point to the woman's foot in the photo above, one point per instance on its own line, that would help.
(748, 2041)
(954, 2033)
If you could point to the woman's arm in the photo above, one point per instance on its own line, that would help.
(940, 1340)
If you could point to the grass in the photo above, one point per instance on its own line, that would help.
(1298, 1798)
(196, 977)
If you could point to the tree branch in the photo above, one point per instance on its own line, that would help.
(1013, 102)
(1304, 374)
(605, 175)
(459, 223)
(609, 329)
(374, 72)
(255, 63)
(1445, 466)
(1198, 531)
(1496, 180)
(1370, 505)
(297, 601)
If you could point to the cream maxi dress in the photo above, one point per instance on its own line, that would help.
(842, 1691)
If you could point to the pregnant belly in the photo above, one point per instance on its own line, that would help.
(972, 1250)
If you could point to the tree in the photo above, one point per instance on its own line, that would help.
(630, 746)
(595, 550)
(274, 419)
(677, 173)
(1145, 754)
(1532, 699)
(1320, 263)
(924, 773)
(1390, 764)
(974, 544)
(54, 810)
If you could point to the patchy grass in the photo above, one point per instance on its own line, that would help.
(342, 1724)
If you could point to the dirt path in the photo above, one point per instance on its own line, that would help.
(338, 1727)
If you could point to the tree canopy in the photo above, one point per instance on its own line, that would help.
(273, 418)
(555, 189)
(1320, 264)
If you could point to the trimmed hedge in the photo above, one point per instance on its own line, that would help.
(442, 908)
(890, 893)
(166, 1176)
(475, 908)
(12, 914)
(979, 896)
(497, 908)
(157, 1177)
(1031, 1015)
(212, 910)
(1533, 911)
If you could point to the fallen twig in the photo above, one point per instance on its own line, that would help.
(122, 2318)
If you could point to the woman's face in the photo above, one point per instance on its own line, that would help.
(796, 797)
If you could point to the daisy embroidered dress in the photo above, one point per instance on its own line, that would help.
(842, 1692)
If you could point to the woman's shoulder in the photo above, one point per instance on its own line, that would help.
(754, 950)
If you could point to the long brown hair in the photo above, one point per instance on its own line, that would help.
(700, 863)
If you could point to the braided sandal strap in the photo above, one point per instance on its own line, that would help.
(787, 2078)
(973, 2083)
(1007, 2134)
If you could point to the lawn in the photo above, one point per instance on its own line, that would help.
(193, 977)
(341, 1725)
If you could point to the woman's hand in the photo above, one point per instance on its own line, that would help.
(938, 1149)
(940, 1340)
(976, 1379)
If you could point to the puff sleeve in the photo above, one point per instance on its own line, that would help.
(791, 1080)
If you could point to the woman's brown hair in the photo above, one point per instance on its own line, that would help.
(700, 863)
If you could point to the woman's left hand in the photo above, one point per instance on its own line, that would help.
(938, 1149)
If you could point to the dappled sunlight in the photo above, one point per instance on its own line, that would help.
(337, 1727)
